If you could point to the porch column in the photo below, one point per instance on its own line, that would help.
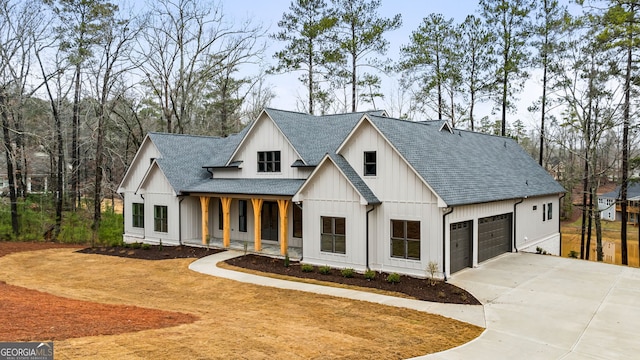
(283, 206)
(226, 221)
(257, 224)
(204, 206)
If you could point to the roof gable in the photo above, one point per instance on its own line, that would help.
(465, 167)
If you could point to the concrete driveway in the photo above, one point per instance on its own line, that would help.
(546, 307)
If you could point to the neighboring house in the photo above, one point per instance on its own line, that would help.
(610, 208)
(357, 190)
(37, 179)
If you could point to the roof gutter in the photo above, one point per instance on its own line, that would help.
(180, 219)
(444, 242)
(515, 233)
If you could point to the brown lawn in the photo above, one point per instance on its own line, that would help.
(571, 238)
(234, 320)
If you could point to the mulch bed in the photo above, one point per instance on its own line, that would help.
(414, 287)
(152, 252)
(31, 315)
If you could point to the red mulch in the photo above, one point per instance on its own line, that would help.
(31, 315)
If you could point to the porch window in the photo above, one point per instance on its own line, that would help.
(544, 212)
(405, 239)
(137, 213)
(370, 168)
(160, 222)
(549, 211)
(220, 215)
(242, 215)
(333, 237)
(297, 221)
(268, 161)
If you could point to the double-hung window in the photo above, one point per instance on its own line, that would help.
(268, 161)
(242, 215)
(137, 213)
(370, 167)
(405, 239)
(160, 220)
(333, 236)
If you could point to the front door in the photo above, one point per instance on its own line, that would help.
(270, 221)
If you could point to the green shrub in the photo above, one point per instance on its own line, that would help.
(573, 254)
(324, 270)
(146, 246)
(369, 275)
(348, 272)
(393, 278)
(286, 260)
(136, 245)
(306, 268)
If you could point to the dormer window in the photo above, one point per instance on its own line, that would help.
(268, 161)
(370, 167)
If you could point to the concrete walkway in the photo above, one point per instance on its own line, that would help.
(466, 313)
(535, 306)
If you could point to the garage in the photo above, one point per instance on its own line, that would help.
(461, 235)
(494, 236)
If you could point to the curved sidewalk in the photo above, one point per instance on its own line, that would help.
(473, 314)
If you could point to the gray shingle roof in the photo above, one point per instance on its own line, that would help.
(182, 156)
(633, 191)
(282, 187)
(355, 179)
(314, 136)
(467, 167)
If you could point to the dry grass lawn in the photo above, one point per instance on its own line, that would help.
(571, 237)
(235, 320)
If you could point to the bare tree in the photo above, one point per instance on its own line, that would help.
(187, 43)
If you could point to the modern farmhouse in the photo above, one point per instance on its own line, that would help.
(358, 190)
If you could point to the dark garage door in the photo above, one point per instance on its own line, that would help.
(461, 248)
(494, 236)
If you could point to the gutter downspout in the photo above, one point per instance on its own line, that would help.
(180, 220)
(559, 232)
(367, 237)
(515, 233)
(444, 243)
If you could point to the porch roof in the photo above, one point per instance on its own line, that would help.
(278, 187)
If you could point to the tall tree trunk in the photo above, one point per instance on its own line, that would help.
(75, 149)
(97, 194)
(590, 222)
(505, 84)
(13, 198)
(544, 103)
(354, 78)
(625, 152)
(310, 83)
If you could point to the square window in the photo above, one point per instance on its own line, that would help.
(333, 236)
(405, 239)
(269, 161)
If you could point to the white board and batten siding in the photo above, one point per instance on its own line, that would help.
(534, 230)
(331, 195)
(158, 192)
(135, 173)
(405, 197)
(265, 136)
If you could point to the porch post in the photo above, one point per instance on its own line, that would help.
(204, 206)
(226, 221)
(283, 206)
(257, 224)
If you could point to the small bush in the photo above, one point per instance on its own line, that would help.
(370, 275)
(457, 291)
(146, 246)
(160, 246)
(306, 268)
(136, 245)
(324, 270)
(441, 294)
(393, 278)
(348, 272)
(573, 254)
(286, 260)
(432, 269)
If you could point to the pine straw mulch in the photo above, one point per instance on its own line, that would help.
(53, 317)
(234, 320)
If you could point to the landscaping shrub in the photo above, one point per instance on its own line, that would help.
(393, 278)
(573, 254)
(324, 270)
(136, 245)
(286, 260)
(306, 268)
(370, 275)
(146, 246)
(348, 272)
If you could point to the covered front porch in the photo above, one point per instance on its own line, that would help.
(295, 253)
